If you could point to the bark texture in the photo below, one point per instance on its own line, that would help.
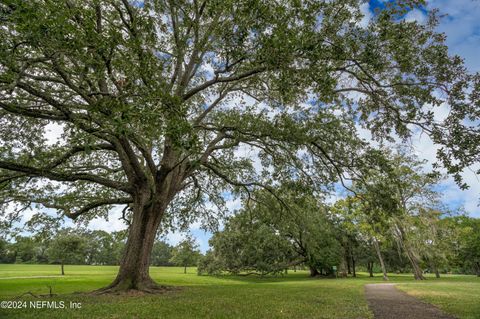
(134, 267)
(409, 251)
(151, 198)
(380, 258)
(417, 271)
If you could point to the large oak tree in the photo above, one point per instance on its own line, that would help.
(161, 103)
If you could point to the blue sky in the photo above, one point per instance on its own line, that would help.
(462, 27)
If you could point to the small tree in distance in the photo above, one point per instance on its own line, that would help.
(67, 248)
(186, 253)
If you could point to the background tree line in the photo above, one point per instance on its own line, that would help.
(252, 244)
(90, 247)
(392, 221)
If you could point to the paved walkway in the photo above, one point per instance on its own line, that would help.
(387, 302)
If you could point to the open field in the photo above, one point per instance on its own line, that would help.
(291, 296)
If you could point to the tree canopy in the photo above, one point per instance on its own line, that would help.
(162, 103)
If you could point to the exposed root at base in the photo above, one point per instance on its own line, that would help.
(150, 289)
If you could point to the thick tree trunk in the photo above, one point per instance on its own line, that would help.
(134, 267)
(63, 270)
(184, 269)
(313, 271)
(478, 268)
(380, 258)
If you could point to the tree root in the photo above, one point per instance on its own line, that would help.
(139, 289)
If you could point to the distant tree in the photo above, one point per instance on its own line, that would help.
(305, 222)
(67, 248)
(248, 244)
(455, 235)
(43, 228)
(349, 238)
(7, 254)
(269, 235)
(119, 245)
(365, 255)
(401, 195)
(161, 254)
(370, 223)
(186, 253)
(24, 249)
(470, 243)
(102, 248)
(430, 238)
(211, 263)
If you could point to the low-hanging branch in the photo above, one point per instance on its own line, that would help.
(63, 177)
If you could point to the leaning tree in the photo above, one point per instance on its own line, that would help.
(165, 105)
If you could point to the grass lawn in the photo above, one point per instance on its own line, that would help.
(291, 296)
(459, 295)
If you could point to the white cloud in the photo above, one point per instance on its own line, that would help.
(174, 238)
(367, 14)
(416, 15)
(452, 195)
(53, 132)
(114, 223)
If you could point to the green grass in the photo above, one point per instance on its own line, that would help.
(459, 295)
(291, 296)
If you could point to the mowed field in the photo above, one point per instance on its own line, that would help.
(292, 296)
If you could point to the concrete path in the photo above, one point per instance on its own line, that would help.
(387, 302)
